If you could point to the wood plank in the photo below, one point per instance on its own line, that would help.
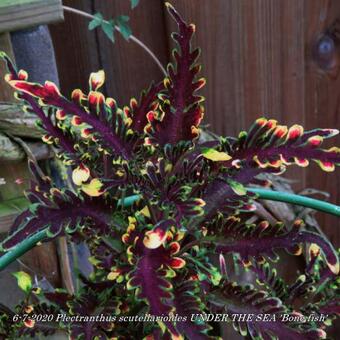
(6, 93)
(258, 58)
(75, 48)
(129, 69)
(41, 260)
(15, 121)
(253, 60)
(10, 172)
(19, 14)
(9, 211)
(12, 151)
(219, 40)
(322, 99)
(5, 4)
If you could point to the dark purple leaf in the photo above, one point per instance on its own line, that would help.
(180, 111)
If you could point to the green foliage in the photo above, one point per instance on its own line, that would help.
(122, 23)
(237, 187)
(108, 28)
(24, 281)
(134, 3)
(96, 22)
(119, 23)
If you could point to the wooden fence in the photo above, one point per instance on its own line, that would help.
(278, 58)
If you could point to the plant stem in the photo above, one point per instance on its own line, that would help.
(128, 201)
(329, 208)
(276, 196)
(132, 37)
(297, 200)
(21, 248)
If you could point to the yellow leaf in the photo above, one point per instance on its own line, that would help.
(215, 155)
(145, 211)
(80, 174)
(97, 79)
(154, 238)
(93, 188)
(113, 275)
(24, 281)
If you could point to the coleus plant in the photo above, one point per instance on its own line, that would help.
(169, 253)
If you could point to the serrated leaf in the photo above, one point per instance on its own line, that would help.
(122, 22)
(237, 187)
(96, 22)
(134, 3)
(24, 281)
(273, 147)
(108, 29)
(93, 188)
(182, 106)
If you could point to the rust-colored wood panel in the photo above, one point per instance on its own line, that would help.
(129, 69)
(257, 58)
(322, 94)
(252, 52)
(253, 59)
(43, 261)
(75, 48)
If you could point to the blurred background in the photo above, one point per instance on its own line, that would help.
(278, 58)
